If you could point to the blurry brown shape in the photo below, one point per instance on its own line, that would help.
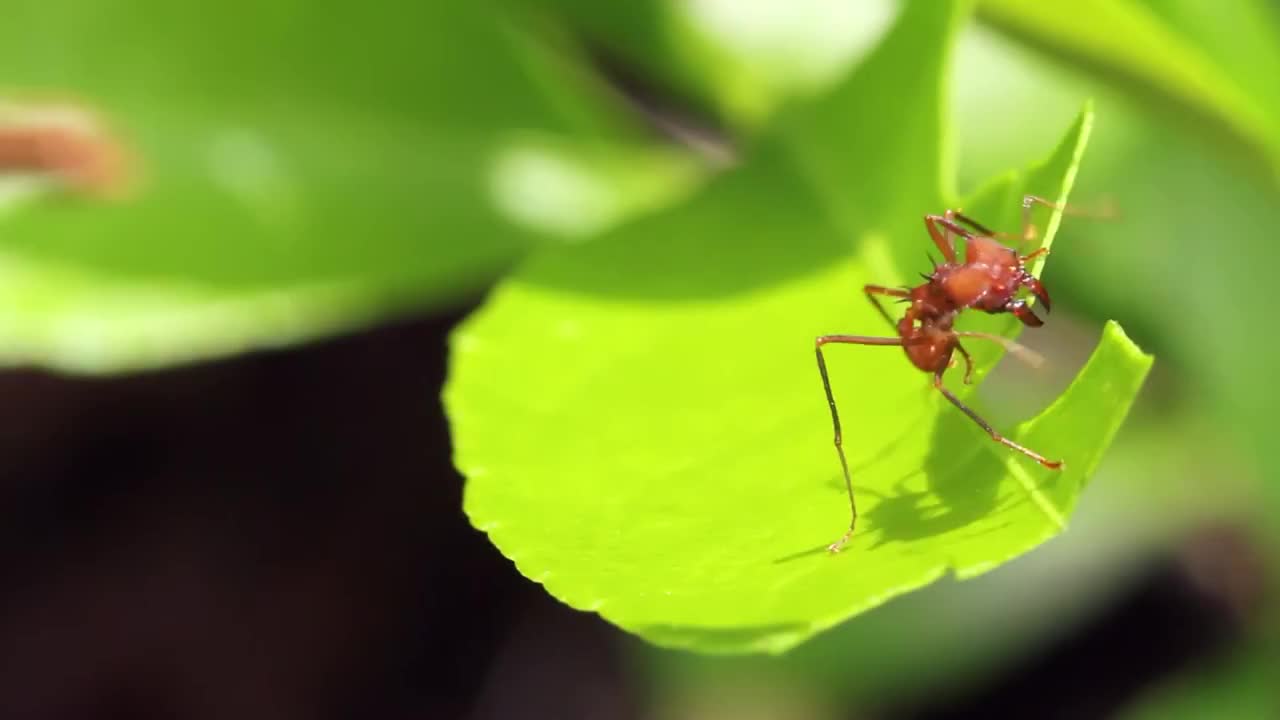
(1225, 562)
(68, 143)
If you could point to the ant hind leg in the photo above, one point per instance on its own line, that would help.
(1051, 464)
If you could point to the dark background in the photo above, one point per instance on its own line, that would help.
(280, 536)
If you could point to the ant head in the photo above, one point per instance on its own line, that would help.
(988, 252)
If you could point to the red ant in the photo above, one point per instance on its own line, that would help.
(987, 280)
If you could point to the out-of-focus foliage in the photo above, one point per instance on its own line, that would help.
(1128, 39)
(298, 171)
(669, 468)
(303, 172)
(738, 63)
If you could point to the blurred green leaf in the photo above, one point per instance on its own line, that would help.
(1241, 37)
(1128, 40)
(642, 426)
(301, 171)
(735, 62)
(643, 39)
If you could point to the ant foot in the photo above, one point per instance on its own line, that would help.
(838, 545)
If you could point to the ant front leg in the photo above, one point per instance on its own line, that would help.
(1106, 212)
(1028, 227)
(1033, 255)
(1051, 464)
(1028, 232)
(978, 227)
(835, 418)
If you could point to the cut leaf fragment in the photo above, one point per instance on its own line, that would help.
(643, 431)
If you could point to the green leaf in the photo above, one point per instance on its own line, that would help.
(641, 423)
(1128, 41)
(301, 171)
(1242, 38)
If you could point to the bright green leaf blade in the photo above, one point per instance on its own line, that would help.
(1127, 40)
(301, 171)
(643, 429)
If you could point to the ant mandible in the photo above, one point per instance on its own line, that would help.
(988, 280)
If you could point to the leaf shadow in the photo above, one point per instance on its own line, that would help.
(961, 487)
(949, 500)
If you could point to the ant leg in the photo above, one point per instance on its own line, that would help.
(978, 227)
(873, 290)
(942, 237)
(1018, 350)
(1029, 229)
(968, 363)
(1051, 464)
(1034, 254)
(835, 418)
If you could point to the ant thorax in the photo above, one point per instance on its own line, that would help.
(987, 280)
(926, 327)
